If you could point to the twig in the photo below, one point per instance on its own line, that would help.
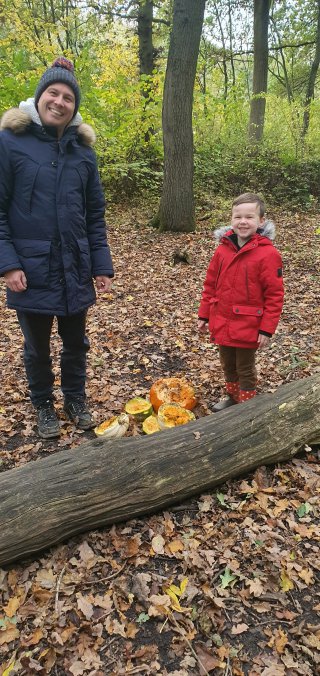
(108, 644)
(227, 671)
(164, 624)
(99, 579)
(284, 356)
(173, 619)
(57, 589)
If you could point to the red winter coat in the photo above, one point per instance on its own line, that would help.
(243, 289)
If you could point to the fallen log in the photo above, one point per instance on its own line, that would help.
(104, 482)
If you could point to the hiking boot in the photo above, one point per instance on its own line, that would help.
(77, 410)
(47, 421)
(224, 403)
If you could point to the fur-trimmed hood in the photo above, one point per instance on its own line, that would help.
(268, 229)
(17, 120)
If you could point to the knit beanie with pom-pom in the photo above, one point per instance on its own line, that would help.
(62, 70)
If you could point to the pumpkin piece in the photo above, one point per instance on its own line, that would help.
(139, 408)
(114, 427)
(173, 415)
(151, 425)
(172, 390)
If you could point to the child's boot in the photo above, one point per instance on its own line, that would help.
(245, 395)
(233, 397)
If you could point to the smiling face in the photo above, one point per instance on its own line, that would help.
(56, 106)
(246, 220)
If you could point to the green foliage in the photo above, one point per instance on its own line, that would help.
(125, 109)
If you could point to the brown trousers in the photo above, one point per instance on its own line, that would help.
(238, 364)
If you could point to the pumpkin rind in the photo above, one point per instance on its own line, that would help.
(139, 408)
(113, 428)
(172, 390)
(151, 425)
(173, 415)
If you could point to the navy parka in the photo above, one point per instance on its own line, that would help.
(51, 216)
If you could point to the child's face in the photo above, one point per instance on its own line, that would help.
(245, 220)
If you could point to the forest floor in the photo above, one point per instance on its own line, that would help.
(226, 584)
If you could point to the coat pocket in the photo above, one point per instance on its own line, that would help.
(24, 188)
(34, 256)
(245, 322)
(85, 266)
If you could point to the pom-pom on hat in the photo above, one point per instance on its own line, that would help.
(62, 70)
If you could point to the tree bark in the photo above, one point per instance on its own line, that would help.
(104, 482)
(176, 211)
(146, 51)
(260, 70)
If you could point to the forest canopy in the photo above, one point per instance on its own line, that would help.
(120, 51)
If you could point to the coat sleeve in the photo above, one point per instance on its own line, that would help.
(96, 226)
(209, 287)
(272, 284)
(8, 256)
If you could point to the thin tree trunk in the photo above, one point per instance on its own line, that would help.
(224, 58)
(260, 70)
(312, 79)
(146, 57)
(103, 482)
(176, 211)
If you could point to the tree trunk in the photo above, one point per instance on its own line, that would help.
(146, 59)
(144, 21)
(176, 212)
(312, 79)
(260, 70)
(103, 482)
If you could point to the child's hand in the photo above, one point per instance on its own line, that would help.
(203, 326)
(263, 340)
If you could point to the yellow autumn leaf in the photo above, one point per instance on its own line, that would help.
(174, 598)
(183, 584)
(176, 590)
(173, 592)
(9, 669)
(285, 583)
(179, 590)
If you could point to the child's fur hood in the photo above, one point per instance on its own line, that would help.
(18, 121)
(268, 229)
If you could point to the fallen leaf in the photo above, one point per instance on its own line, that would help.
(158, 544)
(239, 628)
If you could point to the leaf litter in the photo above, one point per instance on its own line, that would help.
(226, 584)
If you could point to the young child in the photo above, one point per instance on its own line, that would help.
(242, 296)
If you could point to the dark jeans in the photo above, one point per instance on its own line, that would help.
(238, 364)
(36, 329)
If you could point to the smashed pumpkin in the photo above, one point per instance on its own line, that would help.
(114, 427)
(172, 390)
(173, 415)
(151, 425)
(139, 408)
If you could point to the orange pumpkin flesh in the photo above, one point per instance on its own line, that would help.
(172, 390)
(173, 415)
